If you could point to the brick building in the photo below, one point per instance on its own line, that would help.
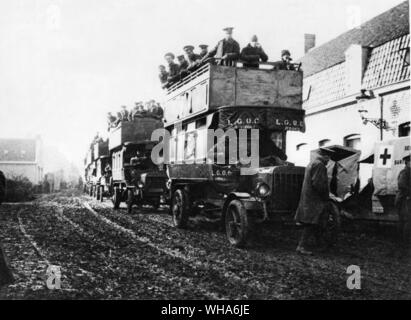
(373, 57)
(22, 157)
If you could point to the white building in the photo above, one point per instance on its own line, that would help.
(371, 57)
(22, 157)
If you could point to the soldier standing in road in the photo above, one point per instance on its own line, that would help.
(253, 53)
(227, 51)
(314, 201)
(403, 203)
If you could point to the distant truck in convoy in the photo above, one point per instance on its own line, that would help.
(219, 97)
(101, 182)
(135, 178)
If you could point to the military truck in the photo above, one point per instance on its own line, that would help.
(135, 179)
(89, 172)
(101, 183)
(219, 97)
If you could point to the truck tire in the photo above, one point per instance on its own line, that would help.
(236, 223)
(180, 208)
(116, 198)
(130, 201)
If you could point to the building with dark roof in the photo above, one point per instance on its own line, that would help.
(22, 157)
(373, 57)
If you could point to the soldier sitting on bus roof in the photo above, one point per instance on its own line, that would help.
(119, 116)
(156, 110)
(227, 50)
(163, 75)
(111, 120)
(193, 58)
(124, 113)
(183, 65)
(285, 63)
(253, 53)
(138, 110)
(203, 51)
(173, 68)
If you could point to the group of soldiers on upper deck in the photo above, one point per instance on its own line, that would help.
(226, 52)
(140, 109)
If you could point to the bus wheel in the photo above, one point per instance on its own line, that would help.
(116, 198)
(236, 223)
(180, 208)
(130, 201)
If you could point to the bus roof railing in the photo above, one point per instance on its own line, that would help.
(237, 64)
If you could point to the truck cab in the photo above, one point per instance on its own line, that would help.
(217, 106)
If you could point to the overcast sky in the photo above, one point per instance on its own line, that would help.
(65, 63)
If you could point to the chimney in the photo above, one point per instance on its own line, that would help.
(309, 42)
(356, 58)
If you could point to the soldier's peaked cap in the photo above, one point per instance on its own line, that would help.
(406, 158)
(188, 47)
(228, 29)
(203, 46)
(169, 54)
(284, 52)
(326, 150)
(180, 56)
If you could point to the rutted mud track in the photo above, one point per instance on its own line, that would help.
(105, 253)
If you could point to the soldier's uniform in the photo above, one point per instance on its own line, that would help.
(192, 57)
(314, 202)
(204, 50)
(183, 63)
(156, 110)
(228, 48)
(403, 203)
(111, 120)
(163, 75)
(285, 64)
(173, 68)
(124, 113)
(252, 56)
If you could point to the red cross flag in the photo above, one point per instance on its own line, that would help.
(385, 156)
(388, 163)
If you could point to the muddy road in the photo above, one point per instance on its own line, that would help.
(108, 254)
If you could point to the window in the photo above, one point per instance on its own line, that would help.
(353, 141)
(190, 146)
(324, 143)
(404, 129)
